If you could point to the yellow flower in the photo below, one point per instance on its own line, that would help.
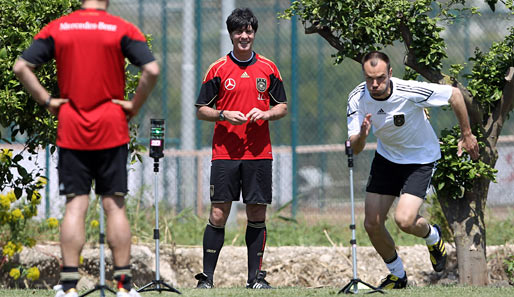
(29, 211)
(17, 215)
(81, 260)
(5, 155)
(19, 247)
(94, 223)
(31, 242)
(36, 198)
(41, 181)
(11, 196)
(5, 202)
(52, 222)
(33, 273)
(9, 249)
(15, 273)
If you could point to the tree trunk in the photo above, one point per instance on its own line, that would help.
(465, 217)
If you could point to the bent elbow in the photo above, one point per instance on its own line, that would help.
(18, 67)
(152, 69)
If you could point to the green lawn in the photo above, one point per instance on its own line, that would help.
(435, 291)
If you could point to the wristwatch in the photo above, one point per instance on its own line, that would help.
(222, 117)
(47, 102)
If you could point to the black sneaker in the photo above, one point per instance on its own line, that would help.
(438, 252)
(259, 282)
(393, 282)
(203, 281)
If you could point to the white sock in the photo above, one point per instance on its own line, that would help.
(396, 267)
(433, 237)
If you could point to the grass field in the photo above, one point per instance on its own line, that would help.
(435, 291)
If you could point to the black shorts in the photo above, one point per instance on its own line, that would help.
(388, 178)
(231, 177)
(107, 168)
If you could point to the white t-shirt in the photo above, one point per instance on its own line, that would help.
(399, 122)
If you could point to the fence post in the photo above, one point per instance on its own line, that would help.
(294, 111)
(47, 186)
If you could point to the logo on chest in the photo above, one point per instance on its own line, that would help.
(230, 84)
(399, 120)
(261, 84)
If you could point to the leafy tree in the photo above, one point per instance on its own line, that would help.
(356, 27)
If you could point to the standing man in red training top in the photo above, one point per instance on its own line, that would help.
(242, 86)
(90, 47)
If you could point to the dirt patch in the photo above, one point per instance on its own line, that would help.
(286, 266)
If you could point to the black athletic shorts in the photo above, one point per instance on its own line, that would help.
(388, 178)
(231, 177)
(107, 168)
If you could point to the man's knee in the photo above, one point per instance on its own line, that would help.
(219, 216)
(113, 204)
(404, 222)
(372, 225)
(256, 212)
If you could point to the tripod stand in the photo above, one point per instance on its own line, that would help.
(355, 280)
(101, 286)
(157, 284)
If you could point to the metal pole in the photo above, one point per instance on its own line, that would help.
(156, 230)
(321, 122)
(352, 226)
(227, 6)
(102, 251)
(294, 110)
(47, 186)
(164, 79)
(140, 12)
(188, 99)
(198, 67)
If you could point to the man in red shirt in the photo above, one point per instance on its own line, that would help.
(90, 47)
(242, 86)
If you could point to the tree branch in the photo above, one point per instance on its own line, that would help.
(411, 60)
(330, 38)
(498, 116)
(436, 76)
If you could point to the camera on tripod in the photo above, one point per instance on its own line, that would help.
(156, 138)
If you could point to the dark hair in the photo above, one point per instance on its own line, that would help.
(374, 56)
(241, 18)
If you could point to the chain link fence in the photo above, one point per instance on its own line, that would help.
(310, 167)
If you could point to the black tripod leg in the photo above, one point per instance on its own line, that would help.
(170, 287)
(145, 286)
(110, 290)
(374, 289)
(355, 282)
(88, 292)
(98, 288)
(346, 289)
(165, 287)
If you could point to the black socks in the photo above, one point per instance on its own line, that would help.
(213, 239)
(69, 277)
(255, 242)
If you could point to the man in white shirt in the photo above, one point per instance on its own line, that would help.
(404, 162)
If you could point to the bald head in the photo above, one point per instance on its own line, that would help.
(377, 73)
(95, 4)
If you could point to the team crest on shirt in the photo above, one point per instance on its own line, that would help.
(399, 119)
(261, 84)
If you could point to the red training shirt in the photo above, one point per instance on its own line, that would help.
(90, 47)
(233, 85)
